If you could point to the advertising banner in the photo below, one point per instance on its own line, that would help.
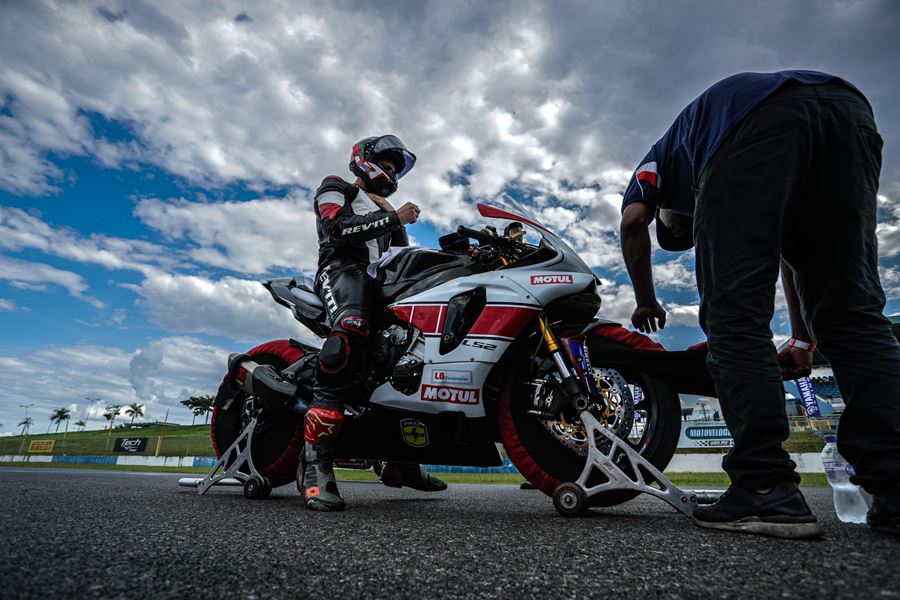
(808, 396)
(130, 445)
(41, 446)
(705, 434)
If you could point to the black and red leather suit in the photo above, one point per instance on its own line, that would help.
(353, 232)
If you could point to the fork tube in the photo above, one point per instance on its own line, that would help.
(553, 348)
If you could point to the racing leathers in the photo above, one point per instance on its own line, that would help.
(353, 232)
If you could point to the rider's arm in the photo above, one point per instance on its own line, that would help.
(340, 223)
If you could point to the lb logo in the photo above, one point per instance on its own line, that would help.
(551, 279)
(415, 433)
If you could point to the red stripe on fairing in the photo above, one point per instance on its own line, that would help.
(506, 321)
(329, 210)
(648, 176)
(404, 313)
(427, 318)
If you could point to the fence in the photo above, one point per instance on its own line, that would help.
(179, 445)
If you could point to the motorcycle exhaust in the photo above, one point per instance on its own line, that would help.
(263, 383)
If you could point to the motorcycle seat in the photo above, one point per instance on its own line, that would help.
(304, 293)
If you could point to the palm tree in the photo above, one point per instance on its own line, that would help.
(199, 405)
(111, 412)
(59, 415)
(81, 423)
(26, 425)
(205, 406)
(134, 410)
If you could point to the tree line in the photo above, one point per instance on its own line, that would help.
(198, 405)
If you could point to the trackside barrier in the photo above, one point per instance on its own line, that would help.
(807, 462)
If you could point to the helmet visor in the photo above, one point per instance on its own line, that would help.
(394, 148)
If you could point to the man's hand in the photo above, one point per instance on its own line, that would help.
(644, 318)
(408, 213)
(795, 363)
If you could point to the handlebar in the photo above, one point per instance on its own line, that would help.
(481, 236)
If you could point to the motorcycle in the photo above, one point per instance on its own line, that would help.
(476, 345)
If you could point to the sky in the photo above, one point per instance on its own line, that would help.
(157, 159)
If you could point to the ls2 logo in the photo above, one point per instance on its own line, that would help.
(479, 345)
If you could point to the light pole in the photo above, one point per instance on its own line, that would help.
(87, 409)
(27, 427)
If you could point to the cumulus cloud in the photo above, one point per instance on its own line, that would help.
(251, 237)
(496, 95)
(237, 309)
(86, 378)
(172, 369)
(37, 276)
(20, 230)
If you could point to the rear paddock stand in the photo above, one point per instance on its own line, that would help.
(227, 469)
(573, 499)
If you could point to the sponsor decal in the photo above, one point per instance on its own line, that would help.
(458, 377)
(41, 446)
(414, 432)
(365, 226)
(551, 279)
(705, 434)
(808, 396)
(479, 345)
(130, 445)
(437, 393)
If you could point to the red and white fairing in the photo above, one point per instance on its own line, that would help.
(515, 296)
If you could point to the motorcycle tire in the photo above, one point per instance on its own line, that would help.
(546, 463)
(276, 446)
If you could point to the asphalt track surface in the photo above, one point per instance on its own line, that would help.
(102, 534)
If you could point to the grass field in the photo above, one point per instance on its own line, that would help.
(194, 440)
(679, 479)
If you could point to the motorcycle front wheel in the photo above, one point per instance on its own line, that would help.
(546, 459)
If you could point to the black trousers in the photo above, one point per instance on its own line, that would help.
(798, 178)
(347, 293)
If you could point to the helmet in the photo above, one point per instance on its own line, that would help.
(369, 151)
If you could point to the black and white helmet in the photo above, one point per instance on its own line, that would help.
(368, 152)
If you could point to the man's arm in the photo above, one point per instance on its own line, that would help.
(795, 362)
(635, 236)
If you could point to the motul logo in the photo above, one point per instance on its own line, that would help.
(448, 394)
(542, 279)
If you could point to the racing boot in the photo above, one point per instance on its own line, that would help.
(315, 477)
(410, 475)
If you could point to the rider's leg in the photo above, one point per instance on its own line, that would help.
(346, 290)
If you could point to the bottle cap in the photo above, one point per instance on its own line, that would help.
(831, 439)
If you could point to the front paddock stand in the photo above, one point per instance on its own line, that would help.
(227, 470)
(573, 499)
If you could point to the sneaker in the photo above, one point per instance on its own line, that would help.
(779, 512)
(885, 513)
(315, 479)
(413, 476)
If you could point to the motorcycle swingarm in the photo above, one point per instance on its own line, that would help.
(569, 502)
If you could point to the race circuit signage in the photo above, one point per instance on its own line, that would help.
(130, 445)
(705, 434)
(41, 446)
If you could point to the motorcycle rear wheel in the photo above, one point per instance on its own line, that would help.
(276, 447)
(546, 463)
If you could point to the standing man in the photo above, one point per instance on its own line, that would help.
(769, 171)
(356, 224)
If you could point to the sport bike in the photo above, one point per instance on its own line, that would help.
(490, 343)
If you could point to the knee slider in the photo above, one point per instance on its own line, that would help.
(352, 324)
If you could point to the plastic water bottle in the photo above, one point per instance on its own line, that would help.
(849, 503)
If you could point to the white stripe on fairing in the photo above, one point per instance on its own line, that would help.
(330, 198)
(363, 205)
(440, 312)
